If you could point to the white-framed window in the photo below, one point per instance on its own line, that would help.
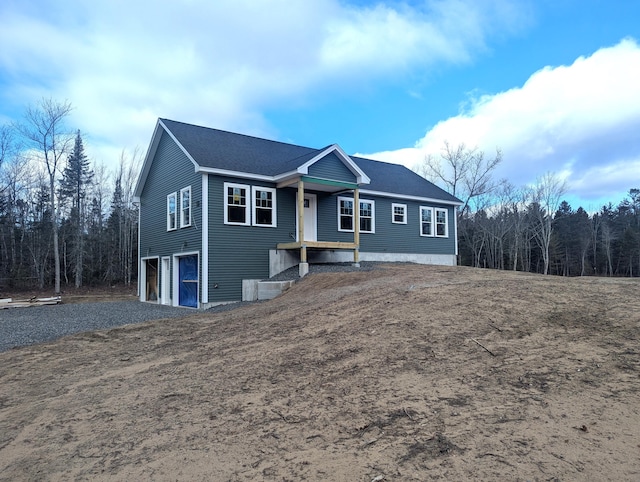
(442, 224)
(185, 207)
(426, 221)
(398, 213)
(345, 214)
(264, 206)
(434, 222)
(367, 215)
(236, 204)
(172, 209)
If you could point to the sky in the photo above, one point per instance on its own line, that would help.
(554, 84)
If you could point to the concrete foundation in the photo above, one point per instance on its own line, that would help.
(268, 290)
(303, 269)
(282, 259)
(344, 256)
(255, 289)
(250, 289)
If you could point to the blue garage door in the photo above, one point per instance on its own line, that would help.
(188, 289)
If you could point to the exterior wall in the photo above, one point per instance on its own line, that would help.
(331, 167)
(242, 252)
(171, 171)
(388, 237)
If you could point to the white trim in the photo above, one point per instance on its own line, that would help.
(373, 215)
(455, 227)
(143, 278)
(361, 177)
(139, 259)
(243, 175)
(182, 209)
(254, 207)
(176, 277)
(247, 205)
(205, 238)
(151, 152)
(174, 194)
(430, 209)
(182, 148)
(410, 198)
(446, 223)
(393, 213)
(146, 165)
(165, 295)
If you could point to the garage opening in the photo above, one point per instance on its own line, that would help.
(151, 279)
(188, 281)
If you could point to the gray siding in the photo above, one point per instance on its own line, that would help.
(171, 171)
(388, 237)
(242, 252)
(331, 167)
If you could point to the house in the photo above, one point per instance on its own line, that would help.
(217, 208)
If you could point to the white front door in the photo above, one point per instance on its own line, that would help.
(165, 280)
(310, 218)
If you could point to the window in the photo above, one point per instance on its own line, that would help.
(171, 211)
(426, 221)
(398, 213)
(185, 207)
(366, 217)
(264, 206)
(442, 229)
(345, 215)
(236, 207)
(434, 222)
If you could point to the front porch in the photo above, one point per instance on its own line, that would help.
(303, 244)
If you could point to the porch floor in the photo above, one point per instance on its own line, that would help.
(317, 245)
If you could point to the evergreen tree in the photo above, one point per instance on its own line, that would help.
(76, 178)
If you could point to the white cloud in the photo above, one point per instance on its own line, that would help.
(122, 63)
(582, 120)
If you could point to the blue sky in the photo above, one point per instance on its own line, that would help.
(554, 83)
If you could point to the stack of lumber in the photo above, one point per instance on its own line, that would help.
(11, 303)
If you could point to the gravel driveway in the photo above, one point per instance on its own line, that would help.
(27, 326)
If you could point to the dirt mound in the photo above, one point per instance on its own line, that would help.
(403, 373)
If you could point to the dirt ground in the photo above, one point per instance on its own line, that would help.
(404, 373)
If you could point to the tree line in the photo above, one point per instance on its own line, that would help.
(63, 221)
(531, 228)
(67, 222)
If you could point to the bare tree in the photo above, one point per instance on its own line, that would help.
(6, 143)
(546, 196)
(44, 132)
(462, 171)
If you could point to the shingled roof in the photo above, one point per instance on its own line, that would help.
(221, 150)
